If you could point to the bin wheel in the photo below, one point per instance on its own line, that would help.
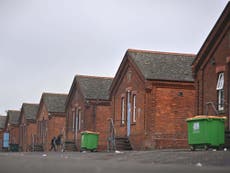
(93, 150)
(82, 150)
(206, 147)
(220, 147)
(192, 148)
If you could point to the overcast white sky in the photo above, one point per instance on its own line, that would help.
(44, 43)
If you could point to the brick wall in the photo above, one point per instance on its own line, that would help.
(130, 81)
(206, 78)
(26, 130)
(14, 134)
(56, 126)
(162, 108)
(76, 102)
(102, 115)
(1, 139)
(52, 125)
(94, 118)
(173, 107)
(94, 114)
(42, 117)
(139, 130)
(31, 132)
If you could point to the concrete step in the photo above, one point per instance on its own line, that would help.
(123, 143)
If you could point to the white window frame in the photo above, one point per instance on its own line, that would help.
(79, 119)
(73, 120)
(76, 120)
(134, 108)
(122, 110)
(220, 91)
(221, 100)
(220, 82)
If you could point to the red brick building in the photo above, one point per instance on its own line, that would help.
(211, 70)
(12, 126)
(2, 129)
(27, 126)
(50, 118)
(88, 106)
(152, 95)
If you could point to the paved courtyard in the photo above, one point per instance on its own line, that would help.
(134, 161)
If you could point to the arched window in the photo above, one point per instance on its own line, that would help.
(220, 91)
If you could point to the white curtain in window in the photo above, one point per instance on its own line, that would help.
(220, 82)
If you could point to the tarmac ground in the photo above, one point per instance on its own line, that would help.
(133, 161)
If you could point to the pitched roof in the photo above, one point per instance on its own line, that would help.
(93, 87)
(13, 116)
(30, 110)
(2, 121)
(219, 29)
(163, 65)
(54, 102)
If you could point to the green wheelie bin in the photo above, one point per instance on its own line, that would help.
(89, 140)
(205, 131)
(14, 147)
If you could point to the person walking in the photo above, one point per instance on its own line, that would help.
(53, 144)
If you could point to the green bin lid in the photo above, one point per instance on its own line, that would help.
(205, 117)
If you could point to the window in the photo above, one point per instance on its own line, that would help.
(44, 128)
(79, 119)
(220, 82)
(220, 91)
(134, 108)
(122, 110)
(221, 100)
(73, 120)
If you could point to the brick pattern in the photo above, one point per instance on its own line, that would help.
(207, 76)
(14, 134)
(24, 138)
(1, 139)
(173, 107)
(162, 108)
(42, 118)
(31, 134)
(76, 102)
(48, 126)
(23, 134)
(102, 115)
(94, 116)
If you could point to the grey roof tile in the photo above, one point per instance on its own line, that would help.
(94, 87)
(55, 102)
(2, 121)
(30, 110)
(163, 66)
(13, 117)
